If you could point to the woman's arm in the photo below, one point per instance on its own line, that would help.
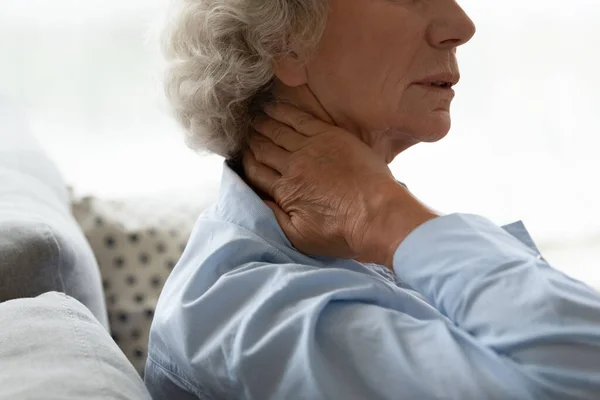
(267, 330)
(493, 288)
(504, 295)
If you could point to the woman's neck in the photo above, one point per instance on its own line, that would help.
(303, 98)
(382, 143)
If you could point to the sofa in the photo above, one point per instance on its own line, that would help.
(79, 278)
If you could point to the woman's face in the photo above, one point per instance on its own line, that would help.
(374, 68)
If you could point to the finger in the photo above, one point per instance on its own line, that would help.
(268, 153)
(282, 135)
(301, 121)
(259, 175)
(284, 221)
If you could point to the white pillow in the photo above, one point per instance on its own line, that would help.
(137, 242)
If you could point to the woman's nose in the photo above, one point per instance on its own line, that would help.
(450, 26)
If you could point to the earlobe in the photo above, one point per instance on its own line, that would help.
(291, 70)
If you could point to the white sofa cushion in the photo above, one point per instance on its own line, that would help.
(52, 347)
(41, 246)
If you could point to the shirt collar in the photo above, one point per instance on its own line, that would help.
(239, 204)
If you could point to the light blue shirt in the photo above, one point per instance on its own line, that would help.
(472, 312)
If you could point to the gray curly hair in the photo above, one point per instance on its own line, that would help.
(220, 62)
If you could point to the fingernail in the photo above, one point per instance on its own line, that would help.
(270, 108)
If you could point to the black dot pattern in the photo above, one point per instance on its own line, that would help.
(144, 258)
(109, 241)
(138, 353)
(136, 246)
(134, 238)
(119, 262)
(156, 282)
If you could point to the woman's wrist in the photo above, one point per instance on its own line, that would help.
(398, 213)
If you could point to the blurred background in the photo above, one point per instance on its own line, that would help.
(524, 142)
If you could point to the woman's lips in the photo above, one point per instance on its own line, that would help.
(444, 90)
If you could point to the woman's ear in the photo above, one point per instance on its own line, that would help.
(291, 69)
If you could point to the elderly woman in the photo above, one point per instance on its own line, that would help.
(317, 275)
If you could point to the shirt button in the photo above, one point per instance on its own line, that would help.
(539, 257)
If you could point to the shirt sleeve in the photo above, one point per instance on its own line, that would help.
(506, 297)
(510, 327)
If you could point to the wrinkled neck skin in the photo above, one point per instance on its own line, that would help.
(381, 142)
(303, 98)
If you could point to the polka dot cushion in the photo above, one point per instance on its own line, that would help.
(137, 244)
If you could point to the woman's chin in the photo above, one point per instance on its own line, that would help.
(435, 128)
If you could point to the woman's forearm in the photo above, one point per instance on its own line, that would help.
(395, 213)
(502, 292)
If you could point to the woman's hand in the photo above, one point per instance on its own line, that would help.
(333, 196)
